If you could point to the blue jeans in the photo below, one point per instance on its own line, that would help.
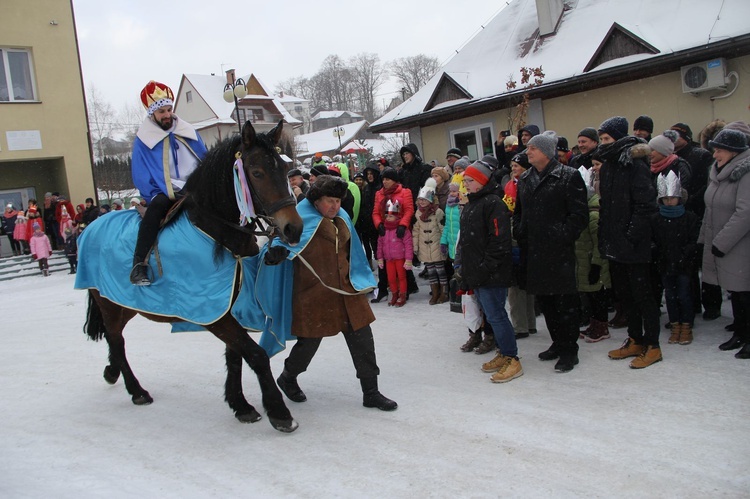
(679, 298)
(492, 300)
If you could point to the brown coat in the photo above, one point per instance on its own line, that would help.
(316, 310)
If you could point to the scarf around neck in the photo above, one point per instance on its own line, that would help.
(672, 211)
(663, 164)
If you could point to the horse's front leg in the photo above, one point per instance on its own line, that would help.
(233, 395)
(237, 339)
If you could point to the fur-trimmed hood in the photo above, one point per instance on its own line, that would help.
(742, 168)
(625, 150)
(709, 132)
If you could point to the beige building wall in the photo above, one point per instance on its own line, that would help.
(659, 97)
(63, 160)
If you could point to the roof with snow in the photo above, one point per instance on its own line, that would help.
(291, 98)
(211, 90)
(324, 140)
(323, 115)
(510, 41)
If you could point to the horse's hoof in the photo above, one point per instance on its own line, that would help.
(249, 417)
(144, 399)
(284, 425)
(110, 375)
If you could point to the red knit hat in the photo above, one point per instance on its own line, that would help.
(479, 172)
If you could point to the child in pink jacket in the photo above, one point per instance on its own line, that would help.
(41, 249)
(395, 254)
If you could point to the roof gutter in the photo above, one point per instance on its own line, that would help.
(731, 47)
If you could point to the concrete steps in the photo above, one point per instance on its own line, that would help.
(14, 267)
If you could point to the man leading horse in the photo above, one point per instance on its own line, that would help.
(166, 150)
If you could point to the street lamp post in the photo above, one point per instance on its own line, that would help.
(235, 90)
(338, 132)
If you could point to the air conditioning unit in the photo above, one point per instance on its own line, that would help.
(708, 75)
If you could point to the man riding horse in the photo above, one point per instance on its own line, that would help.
(166, 150)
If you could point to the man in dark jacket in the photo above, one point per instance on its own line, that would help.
(700, 161)
(551, 212)
(628, 199)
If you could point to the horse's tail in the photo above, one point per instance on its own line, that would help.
(94, 325)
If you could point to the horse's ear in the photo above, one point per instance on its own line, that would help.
(276, 132)
(248, 135)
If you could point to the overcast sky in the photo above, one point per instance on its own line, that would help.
(125, 43)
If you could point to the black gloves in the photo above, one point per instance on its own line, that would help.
(401, 230)
(717, 252)
(275, 255)
(381, 229)
(594, 273)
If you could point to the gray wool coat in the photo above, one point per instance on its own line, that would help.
(726, 225)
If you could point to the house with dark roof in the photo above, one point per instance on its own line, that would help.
(200, 101)
(674, 60)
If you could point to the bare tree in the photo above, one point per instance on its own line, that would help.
(412, 73)
(368, 76)
(102, 120)
(130, 118)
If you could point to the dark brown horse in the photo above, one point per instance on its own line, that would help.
(211, 206)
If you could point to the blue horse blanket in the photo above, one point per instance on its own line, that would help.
(195, 286)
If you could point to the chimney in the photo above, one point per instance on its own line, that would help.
(549, 13)
(230, 76)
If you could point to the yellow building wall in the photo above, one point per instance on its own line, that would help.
(64, 161)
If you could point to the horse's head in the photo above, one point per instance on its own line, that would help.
(267, 173)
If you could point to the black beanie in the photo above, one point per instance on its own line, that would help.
(389, 173)
(616, 127)
(589, 133)
(522, 160)
(644, 123)
(319, 170)
(454, 152)
(684, 131)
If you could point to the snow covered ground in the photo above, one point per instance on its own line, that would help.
(680, 428)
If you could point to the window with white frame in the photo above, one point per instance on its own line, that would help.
(16, 77)
(475, 141)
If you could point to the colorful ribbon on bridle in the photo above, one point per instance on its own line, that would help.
(242, 192)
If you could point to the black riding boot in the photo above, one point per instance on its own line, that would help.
(139, 274)
(373, 398)
(288, 384)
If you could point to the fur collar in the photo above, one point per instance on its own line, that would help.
(741, 169)
(152, 134)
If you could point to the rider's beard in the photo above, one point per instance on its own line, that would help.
(165, 123)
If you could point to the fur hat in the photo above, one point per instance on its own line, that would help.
(730, 140)
(522, 160)
(442, 172)
(479, 171)
(389, 173)
(616, 127)
(327, 185)
(462, 163)
(155, 95)
(546, 142)
(392, 207)
(428, 191)
(684, 131)
(589, 133)
(454, 152)
(664, 143)
(644, 122)
(319, 170)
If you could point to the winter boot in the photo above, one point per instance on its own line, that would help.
(288, 384)
(599, 331)
(45, 272)
(567, 362)
(434, 293)
(733, 343)
(629, 348)
(401, 301)
(394, 299)
(474, 340)
(511, 369)
(495, 364)
(487, 344)
(676, 329)
(373, 398)
(139, 274)
(686, 334)
(620, 320)
(445, 294)
(651, 355)
(744, 352)
(550, 354)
